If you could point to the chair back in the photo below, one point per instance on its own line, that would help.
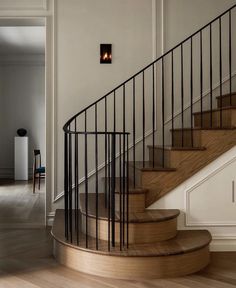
(37, 159)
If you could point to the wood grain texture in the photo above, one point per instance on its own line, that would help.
(186, 253)
(216, 143)
(184, 242)
(172, 157)
(227, 115)
(29, 263)
(225, 102)
(146, 216)
(19, 206)
(129, 267)
(136, 202)
(139, 232)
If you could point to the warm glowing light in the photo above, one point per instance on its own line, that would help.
(106, 53)
(105, 56)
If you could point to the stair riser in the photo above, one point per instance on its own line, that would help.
(189, 139)
(158, 157)
(148, 232)
(134, 171)
(136, 202)
(228, 119)
(226, 101)
(131, 268)
(173, 158)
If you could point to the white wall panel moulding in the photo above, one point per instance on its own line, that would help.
(23, 4)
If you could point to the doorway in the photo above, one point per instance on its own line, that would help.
(22, 106)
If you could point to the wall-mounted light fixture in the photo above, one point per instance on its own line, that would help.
(105, 54)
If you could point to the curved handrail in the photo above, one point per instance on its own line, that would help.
(65, 127)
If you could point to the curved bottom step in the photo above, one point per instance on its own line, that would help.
(185, 254)
(129, 267)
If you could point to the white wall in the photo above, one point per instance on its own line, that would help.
(22, 101)
(206, 202)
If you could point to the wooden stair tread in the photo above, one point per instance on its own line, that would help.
(132, 189)
(216, 110)
(157, 215)
(186, 241)
(172, 148)
(226, 95)
(204, 128)
(149, 167)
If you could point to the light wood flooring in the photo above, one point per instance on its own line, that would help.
(26, 261)
(19, 206)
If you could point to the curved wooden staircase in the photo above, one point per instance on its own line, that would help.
(112, 233)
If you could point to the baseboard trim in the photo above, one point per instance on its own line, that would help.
(50, 218)
(223, 244)
(8, 173)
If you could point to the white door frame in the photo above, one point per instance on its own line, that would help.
(49, 98)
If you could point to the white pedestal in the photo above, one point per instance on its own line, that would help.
(21, 158)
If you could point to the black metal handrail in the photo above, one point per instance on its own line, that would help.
(175, 88)
(65, 127)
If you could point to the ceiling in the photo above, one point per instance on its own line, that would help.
(22, 40)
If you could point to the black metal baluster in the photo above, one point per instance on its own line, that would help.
(86, 177)
(113, 175)
(75, 190)
(220, 40)
(201, 78)
(211, 77)
(163, 112)
(66, 183)
(182, 96)
(109, 196)
(172, 98)
(127, 194)
(76, 186)
(134, 128)
(124, 178)
(143, 119)
(70, 189)
(114, 120)
(230, 57)
(96, 171)
(120, 195)
(106, 163)
(191, 88)
(153, 116)
(124, 185)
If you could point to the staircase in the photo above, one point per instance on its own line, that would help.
(136, 144)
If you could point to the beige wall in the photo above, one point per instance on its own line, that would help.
(81, 26)
(184, 17)
(181, 19)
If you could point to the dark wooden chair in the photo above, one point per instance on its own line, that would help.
(38, 169)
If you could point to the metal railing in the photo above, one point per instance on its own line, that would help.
(169, 84)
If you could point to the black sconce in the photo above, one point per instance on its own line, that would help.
(105, 54)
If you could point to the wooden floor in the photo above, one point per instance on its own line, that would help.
(26, 261)
(19, 206)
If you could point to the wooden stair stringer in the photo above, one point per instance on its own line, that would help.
(216, 143)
